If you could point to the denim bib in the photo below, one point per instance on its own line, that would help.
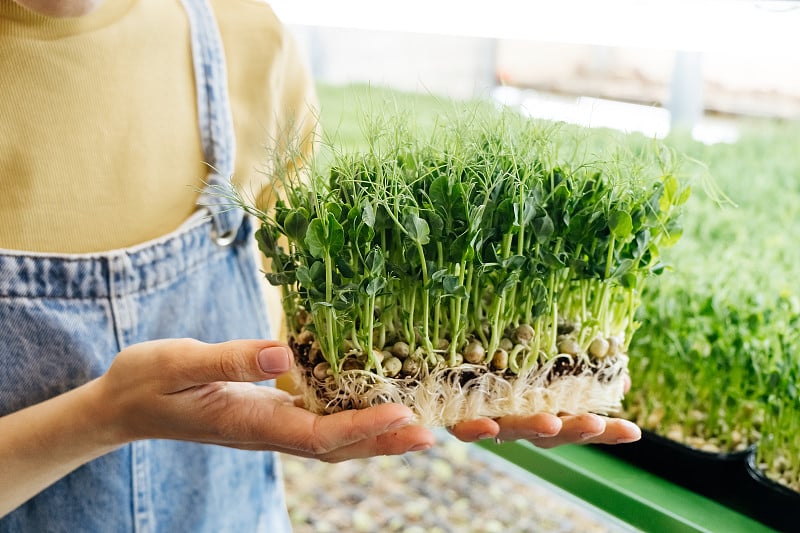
(64, 317)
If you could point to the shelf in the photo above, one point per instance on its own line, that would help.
(635, 496)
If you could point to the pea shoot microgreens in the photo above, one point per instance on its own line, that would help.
(491, 265)
(715, 361)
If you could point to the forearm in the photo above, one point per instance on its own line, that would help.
(44, 442)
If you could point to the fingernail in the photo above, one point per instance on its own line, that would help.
(588, 435)
(626, 441)
(274, 360)
(483, 436)
(420, 447)
(400, 422)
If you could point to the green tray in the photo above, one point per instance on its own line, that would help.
(634, 496)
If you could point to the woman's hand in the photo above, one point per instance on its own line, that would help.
(188, 390)
(548, 431)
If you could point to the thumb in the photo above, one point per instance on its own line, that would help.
(240, 360)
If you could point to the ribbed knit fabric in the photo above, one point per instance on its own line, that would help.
(99, 142)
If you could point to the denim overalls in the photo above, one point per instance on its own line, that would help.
(63, 318)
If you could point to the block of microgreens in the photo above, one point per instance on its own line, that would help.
(486, 265)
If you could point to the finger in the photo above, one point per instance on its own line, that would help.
(477, 429)
(320, 435)
(617, 431)
(574, 429)
(197, 363)
(410, 438)
(514, 427)
(407, 439)
(626, 384)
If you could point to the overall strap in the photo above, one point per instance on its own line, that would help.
(214, 114)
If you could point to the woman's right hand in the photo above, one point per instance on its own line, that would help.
(188, 390)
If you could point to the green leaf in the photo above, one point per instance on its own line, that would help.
(514, 262)
(344, 300)
(623, 268)
(510, 281)
(344, 267)
(438, 192)
(296, 224)
(368, 214)
(267, 242)
(671, 187)
(436, 225)
(417, 228)
(374, 262)
(543, 228)
(317, 239)
(620, 224)
(317, 273)
(375, 286)
(458, 203)
(458, 248)
(529, 209)
(438, 275)
(450, 284)
(504, 215)
(280, 213)
(684, 196)
(280, 278)
(335, 209)
(304, 276)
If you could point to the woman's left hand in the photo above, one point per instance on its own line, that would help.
(548, 431)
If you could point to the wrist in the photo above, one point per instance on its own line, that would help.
(46, 441)
(103, 419)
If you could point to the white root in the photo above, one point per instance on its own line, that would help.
(445, 396)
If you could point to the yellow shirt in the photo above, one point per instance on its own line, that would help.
(99, 140)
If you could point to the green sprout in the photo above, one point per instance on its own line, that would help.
(489, 266)
(714, 363)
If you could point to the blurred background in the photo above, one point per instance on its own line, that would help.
(636, 65)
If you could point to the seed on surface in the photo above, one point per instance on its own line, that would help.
(614, 345)
(599, 347)
(500, 359)
(412, 366)
(304, 337)
(569, 346)
(400, 349)
(506, 344)
(352, 364)
(392, 366)
(322, 371)
(474, 353)
(524, 333)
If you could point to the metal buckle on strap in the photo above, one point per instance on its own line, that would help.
(224, 239)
